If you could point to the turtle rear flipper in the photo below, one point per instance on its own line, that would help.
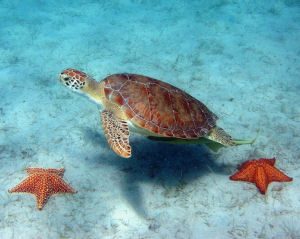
(218, 135)
(215, 146)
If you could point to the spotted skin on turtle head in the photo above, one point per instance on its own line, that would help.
(73, 79)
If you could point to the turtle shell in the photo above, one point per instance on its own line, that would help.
(159, 107)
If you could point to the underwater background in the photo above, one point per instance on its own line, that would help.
(240, 58)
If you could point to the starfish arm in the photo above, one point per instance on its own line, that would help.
(261, 180)
(245, 174)
(266, 161)
(59, 172)
(26, 186)
(58, 185)
(42, 193)
(275, 175)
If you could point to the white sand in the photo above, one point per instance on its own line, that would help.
(241, 60)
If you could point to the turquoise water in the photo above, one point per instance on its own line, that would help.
(239, 58)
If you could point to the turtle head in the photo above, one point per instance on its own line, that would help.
(80, 82)
(74, 79)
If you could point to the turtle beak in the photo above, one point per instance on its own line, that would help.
(60, 77)
(63, 78)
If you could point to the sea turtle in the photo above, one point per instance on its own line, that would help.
(150, 107)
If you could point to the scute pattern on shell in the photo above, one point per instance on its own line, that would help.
(159, 107)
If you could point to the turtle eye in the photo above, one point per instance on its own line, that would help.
(66, 78)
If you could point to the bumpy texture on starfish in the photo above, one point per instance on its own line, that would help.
(261, 172)
(43, 183)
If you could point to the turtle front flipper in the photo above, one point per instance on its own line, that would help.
(117, 133)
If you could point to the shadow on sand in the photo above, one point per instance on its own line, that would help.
(160, 163)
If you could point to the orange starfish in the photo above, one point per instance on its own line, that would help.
(261, 172)
(43, 183)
